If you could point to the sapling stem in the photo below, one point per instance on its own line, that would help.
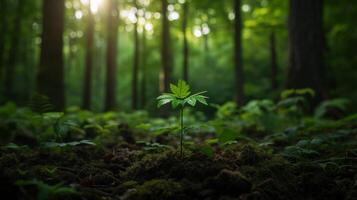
(181, 130)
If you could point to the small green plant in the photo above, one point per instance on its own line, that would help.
(45, 191)
(179, 98)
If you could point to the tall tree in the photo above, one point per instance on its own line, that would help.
(134, 91)
(50, 78)
(239, 76)
(166, 55)
(112, 42)
(273, 61)
(13, 51)
(3, 34)
(87, 91)
(143, 70)
(306, 42)
(185, 42)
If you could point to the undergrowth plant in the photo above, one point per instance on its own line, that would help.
(179, 98)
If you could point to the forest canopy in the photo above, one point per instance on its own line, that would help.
(120, 54)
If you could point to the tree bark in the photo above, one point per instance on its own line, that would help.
(273, 61)
(13, 52)
(239, 76)
(166, 55)
(134, 91)
(3, 34)
(185, 42)
(50, 79)
(112, 41)
(87, 91)
(306, 40)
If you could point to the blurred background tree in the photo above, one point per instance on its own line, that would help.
(119, 54)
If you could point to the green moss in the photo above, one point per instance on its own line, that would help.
(245, 154)
(195, 167)
(155, 189)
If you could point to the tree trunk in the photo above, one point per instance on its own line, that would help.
(166, 56)
(50, 79)
(3, 34)
(112, 41)
(13, 52)
(185, 42)
(143, 70)
(306, 40)
(134, 91)
(273, 62)
(87, 91)
(239, 76)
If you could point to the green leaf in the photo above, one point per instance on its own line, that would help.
(202, 99)
(166, 96)
(176, 102)
(196, 97)
(174, 89)
(191, 100)
(182, 90)
(226, 135)
(207, 150)
(163, 102)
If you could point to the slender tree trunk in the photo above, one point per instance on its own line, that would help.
(239, 76)
(306, 40)
(185, 42)
(112, 41)
(27, 86)
(205, 49)
(87, 85)
(3, 34)
(166, 55)
(134, 91)
(143, 70)
(13, 52)
(273, 62)
(50, 79)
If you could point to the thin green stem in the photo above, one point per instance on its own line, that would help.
(181, 128)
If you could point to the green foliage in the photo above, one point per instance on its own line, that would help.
(180, 96)
(45, 191)
(337, 104)
(68, 144)
(153, 147)
(308, 92)
(226, 110)
(156, 189)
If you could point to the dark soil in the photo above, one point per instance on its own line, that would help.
(238, 172)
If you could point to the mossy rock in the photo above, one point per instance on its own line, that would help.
(156, 189)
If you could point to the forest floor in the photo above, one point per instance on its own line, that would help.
(310, 162)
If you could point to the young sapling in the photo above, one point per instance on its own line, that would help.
(179, 98)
